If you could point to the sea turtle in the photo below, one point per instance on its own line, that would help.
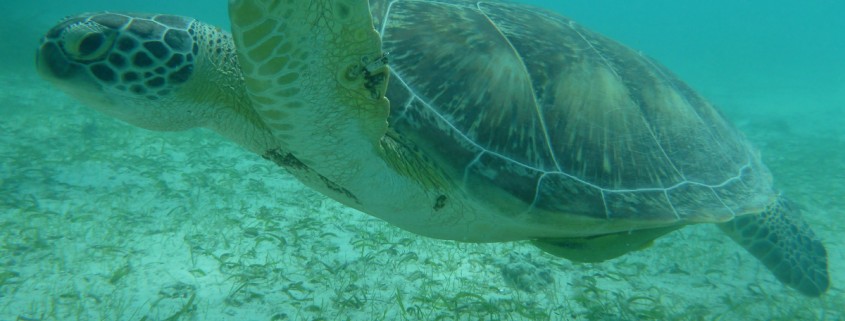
(471, 121)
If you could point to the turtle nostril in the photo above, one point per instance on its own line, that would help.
(51, 62)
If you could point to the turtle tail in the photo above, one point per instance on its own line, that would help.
(786, 245)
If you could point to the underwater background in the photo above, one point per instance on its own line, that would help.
(100, 220)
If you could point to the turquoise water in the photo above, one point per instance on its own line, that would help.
(100, 220)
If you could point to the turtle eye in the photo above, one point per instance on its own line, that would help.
(90, 44)
(87, 41)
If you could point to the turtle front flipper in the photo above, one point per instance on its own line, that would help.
(785, 244)
(316, 74)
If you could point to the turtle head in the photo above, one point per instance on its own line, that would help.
(134, 67)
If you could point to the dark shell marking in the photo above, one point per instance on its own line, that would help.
(562, 118)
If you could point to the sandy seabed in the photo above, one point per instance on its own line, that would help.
(103, 221)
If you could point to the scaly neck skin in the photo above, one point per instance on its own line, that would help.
(236, 121)
(228, 110)
(231, 115)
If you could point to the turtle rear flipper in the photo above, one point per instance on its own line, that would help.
(785, 244)
(598, 248)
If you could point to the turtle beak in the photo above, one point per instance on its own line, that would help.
(52, 63)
